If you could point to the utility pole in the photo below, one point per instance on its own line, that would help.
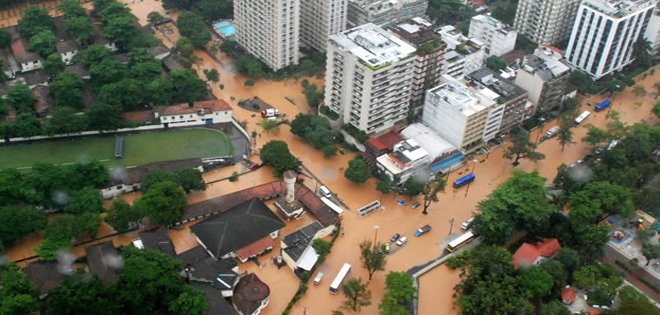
(471, 171)
(376, 227)
(451, 225)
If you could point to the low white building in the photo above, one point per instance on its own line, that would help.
(442, 155)
(27, 60)
(195, 113)
(498, 38)
(67, 49)
(464, 54)
(405, 158)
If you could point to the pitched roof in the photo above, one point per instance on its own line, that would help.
(104, 261)
(78, 70)
(139, 116)
(34, 78)
(19, 49)
(221, 273)
(207, 107)
(255, 248)
(297, 242)
(386, 141)
(568, 295)
(217, 303)
(240, 226)
(249, 294)
(44, 276)
(528, 253)
(65, 46)
(158, 239)
(159, 51)
(171, 63)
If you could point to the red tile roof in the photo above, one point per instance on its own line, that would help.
(568, 295)
(386, 141)
(250, 293)
(145, 115)
(208, 106)
(594, 311)
(255, 248)
(527, 254)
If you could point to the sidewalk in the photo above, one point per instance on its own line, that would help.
(612, 254)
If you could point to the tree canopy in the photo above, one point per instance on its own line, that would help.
(276, 154)
(35, 20)
(399, 292)
(373, 259)
(358, 171)
(192, 26)
(522, 148)
(164, 203)
(357, 294)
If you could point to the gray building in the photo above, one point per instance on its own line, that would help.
(319, 19)
(545, 21)
(383, 12)
(545, 78)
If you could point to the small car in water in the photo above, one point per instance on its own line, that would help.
(402, 240)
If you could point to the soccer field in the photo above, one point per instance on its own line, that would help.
(139, 148)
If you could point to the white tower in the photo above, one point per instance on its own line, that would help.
(290, 183)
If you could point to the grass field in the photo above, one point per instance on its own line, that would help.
(139, 148)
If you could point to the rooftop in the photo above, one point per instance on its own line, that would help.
(619, 8)
(546, 64)
(504, 90)
(19, 49)
(255, 248)
(374, 46)
(220, 273)
(384, 142)
(493, 22)
(217, 303)
(45, 276)
(205, 107)
(430, 141)
(378, 6)
(104, 261)
(297, 242)
(459, 96)
(249, 294)
(527, 253)
(135, 175)
(158, 239)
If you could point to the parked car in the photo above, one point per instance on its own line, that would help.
(254, 166)
(395, 237)
(402, 240)
(423, 230)
(467, 224)
(415, 205)
(402, 203)
(318, 278)
(385, 248)
(613, 144)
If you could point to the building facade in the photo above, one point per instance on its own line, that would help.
(428, 61)
(653, 31)
(368, 77)
(319, 19)
(545, 21)
(545, 78)
(498, 38)
(468, 53)
(269, 30)
(383, 12)
(405, 158)
(604, 34)
(460, 115)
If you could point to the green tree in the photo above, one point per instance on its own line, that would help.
(358, 171)
(106, 71)
(190, 301)
(186, 87)
(276, 154)
(399, 292)
(431, 190)
(27, 125)
(124, 95)
(372, 258)
(43, 43)
(144, 66)
(66, 90)
(635, 303)
(638, 91)
(53, 65)
(190, 179)
(384, 186)
(72, 8)
(17, 222)
(178, 4)
(554, 308)
(5, 38)
(18, 294)
(93, 54)
(522, 147)
(313, 95)
(164, 203)
(80, 28)
(595, 136)
(185, 47)
(604, 279)
(65, 120)
(212, 75)
(192, 26)
(20, 98)
(642, 52)
(82, 294)
(656, 109)
(35, 20)
(250, 66)
(505, 11)
(597, 198)
(329, 150)
(565, 135)
(249, 82)
(357, 294)
(122, 216)
(87, 199)
(412, 187)
(569, 258)
(321, 247)
(214, 10)
(495, 63)
(155, 18)
(120, 29)
(104, 117)
(650, 252)
(535, 282)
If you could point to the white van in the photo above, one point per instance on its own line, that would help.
(318, 278)
(325, 192)
(467, 224)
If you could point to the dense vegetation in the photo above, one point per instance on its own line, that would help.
(276, 154)
(317, 132)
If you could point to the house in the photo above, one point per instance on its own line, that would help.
(156, 239)
(297, 250)
(104, 261)
(42, 106)
(124, 59)
(568, 295)
(34, 78)
(11, 67)
(194, 113)
(108, 44)
(533, 254)
(171, 63)
(67, 48)
(251, 295)
(45, 276)
(378, 146)
(80, 71)
(27, 60)
(221, 275)
(217, 304)
(243, 231)
(160, 52)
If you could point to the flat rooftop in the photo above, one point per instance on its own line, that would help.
(494, 22)
(428, 139)
(619, 8)
(373, 45)
(460, 97)
(504, 90)
(546, 65)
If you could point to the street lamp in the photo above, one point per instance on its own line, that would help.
(376, 227)
(471, 171)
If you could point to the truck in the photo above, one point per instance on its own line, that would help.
(550, 133)
(423, 230)
(271, 112)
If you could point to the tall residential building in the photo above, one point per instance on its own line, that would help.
(383, 12)
(368, 76)
(319, 19)
(505, 93)
(604, 34)
(269, 30)
(463, 116)
(545, 22)
(653, 31)
(498, 38)
(428, 62)
(468, 54)
(545, 78)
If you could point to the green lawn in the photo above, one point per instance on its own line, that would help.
(139, 148)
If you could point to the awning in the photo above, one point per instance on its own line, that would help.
(446, 163)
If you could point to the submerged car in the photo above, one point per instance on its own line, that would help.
(395, 237)
(402, 241)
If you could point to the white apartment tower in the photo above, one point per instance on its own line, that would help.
(498, 38)
(368, 77)
(383, 12)
(545, 22)
(319, 19)
(269, 30)
(653, 31)
(604, 34)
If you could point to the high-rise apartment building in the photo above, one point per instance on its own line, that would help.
(464, 55)
(319, 19)
(605, 32)
(269, 30)
(462, 115)
(368, 76)
(498, 38)
(428, 62)
(383, 12)
(545, 22)
(545, 78)
(653, 31)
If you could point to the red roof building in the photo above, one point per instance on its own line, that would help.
(255, 248)
(251, 295)
(568, 295)
(376, 147)
(532, 254)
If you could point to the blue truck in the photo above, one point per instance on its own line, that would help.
(603, 105)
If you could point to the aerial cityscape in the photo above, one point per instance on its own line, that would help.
(395, 157)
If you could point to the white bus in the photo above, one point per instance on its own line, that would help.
(343, 272)
(332, 205)
(582, 117)
(460, 241)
